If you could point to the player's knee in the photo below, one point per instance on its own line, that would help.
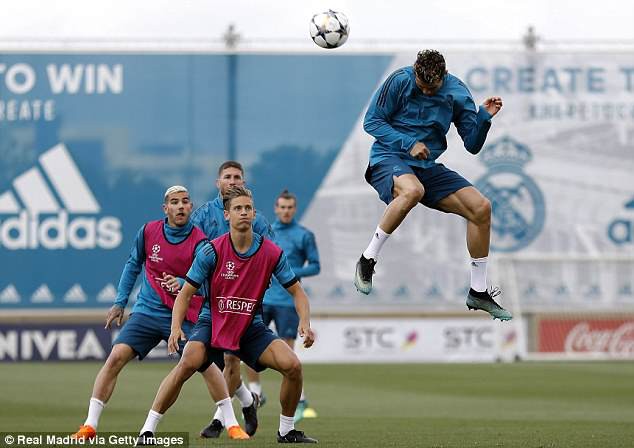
(292, 368)
(412, 194)
(483, 212)
(187, 366)
(231, 372)
(232, 366)
(117, 359)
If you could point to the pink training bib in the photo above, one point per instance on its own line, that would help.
(175, 259)
(237, 288)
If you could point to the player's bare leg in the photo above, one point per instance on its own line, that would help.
(279, 356)
(469, 203)
(105, 383)
(193, 357)
(248, 401)
(231, 373)
(106, 379)
(216, 384)
(255, 386)
(303, 410)
(407, 192)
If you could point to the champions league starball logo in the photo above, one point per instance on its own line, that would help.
(517, 202)
(155, 254)
(230, 274)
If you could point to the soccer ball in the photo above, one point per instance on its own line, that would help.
(329, 29)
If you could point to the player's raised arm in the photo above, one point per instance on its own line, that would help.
(303, 311)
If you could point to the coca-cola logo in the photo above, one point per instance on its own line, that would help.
(615, 341)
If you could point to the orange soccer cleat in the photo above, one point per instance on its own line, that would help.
(237, 433)
(86, 432)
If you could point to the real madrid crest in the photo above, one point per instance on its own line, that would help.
(518, 208)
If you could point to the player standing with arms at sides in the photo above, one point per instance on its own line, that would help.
(237, 268)
(409, 116)
(300, 248)
(166, 248)
(210, 217)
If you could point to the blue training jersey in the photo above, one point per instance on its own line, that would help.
(148, 301)
(205, 262)
(298, 243)
(400, 114)
(210, 218)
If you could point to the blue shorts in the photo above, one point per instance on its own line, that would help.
(254, 341)
(438, 180)
(143, 332)
(285, 318)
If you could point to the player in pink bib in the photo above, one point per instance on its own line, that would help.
(165, 249)
(237, 268)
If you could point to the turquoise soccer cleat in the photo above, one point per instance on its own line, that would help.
(484, 301)
(299, 412)
(363, 275)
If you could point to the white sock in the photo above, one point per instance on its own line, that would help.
(302, 397)
(94, 412)
(227, 411)
(479, 274)
(244, 395)
(377, 241)
(219, 416)
(286, 425)
(151, 422)
(256, 388)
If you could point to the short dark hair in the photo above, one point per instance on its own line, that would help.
(430, 66)
(286, 195)
(230, 164)
(235, 192)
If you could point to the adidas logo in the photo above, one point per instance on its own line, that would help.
(107, 294)
(10, 295)
(75, 294)
(42, 295)
(47, 198)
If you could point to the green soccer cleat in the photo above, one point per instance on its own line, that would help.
(363, 274)
(299, 412)
(484, 301)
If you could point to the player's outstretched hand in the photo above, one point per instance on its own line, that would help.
(172, 343)
(419, 151)
(115, 313)
(307, 333)
(493, 105)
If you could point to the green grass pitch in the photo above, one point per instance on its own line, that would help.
(423, 405)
